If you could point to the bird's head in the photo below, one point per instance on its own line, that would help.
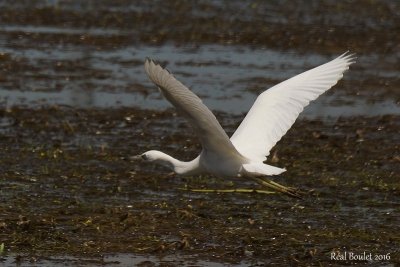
(149, 156)
(158, 157)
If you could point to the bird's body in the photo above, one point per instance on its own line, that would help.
(220, 166)
(270, 117)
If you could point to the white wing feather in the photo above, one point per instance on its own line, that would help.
(275, 110)
(212, 137)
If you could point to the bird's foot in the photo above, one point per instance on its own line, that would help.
(290, 191)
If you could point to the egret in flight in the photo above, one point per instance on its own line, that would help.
(271, 116)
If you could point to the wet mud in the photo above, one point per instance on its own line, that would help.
(69, 187)
(363, 26)
(76, 105)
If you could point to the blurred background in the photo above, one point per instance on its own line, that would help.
(91, 53)
(76, 104)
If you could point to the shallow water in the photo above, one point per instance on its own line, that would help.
(121, 260)
(46, 63)
(228, 78)
(112, 260)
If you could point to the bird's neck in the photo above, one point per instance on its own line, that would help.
(179, 167)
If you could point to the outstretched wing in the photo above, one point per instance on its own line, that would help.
(212, 137)
(275, 110)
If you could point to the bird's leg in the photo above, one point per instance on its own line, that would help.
(235, 190)
(290, 191)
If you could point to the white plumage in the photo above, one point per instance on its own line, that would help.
(270, 117)
(275, 110)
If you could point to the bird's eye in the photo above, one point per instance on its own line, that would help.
(144, 156)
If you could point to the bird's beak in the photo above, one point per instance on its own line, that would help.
(137, 157)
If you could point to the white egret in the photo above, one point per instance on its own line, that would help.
(243, 155)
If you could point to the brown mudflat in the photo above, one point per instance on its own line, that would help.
(76, 104)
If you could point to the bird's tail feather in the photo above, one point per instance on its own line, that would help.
(260, 169)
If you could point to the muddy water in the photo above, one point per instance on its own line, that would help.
(76, 104)
(227, 77)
